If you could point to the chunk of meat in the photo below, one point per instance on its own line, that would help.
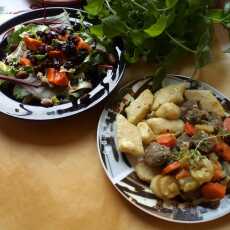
(156, 154)
(206, 99)
(205, 142)
(195, 115)
(215, 120)
(184, 141)
(188, 105)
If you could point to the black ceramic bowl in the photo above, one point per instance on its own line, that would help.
(14, 108)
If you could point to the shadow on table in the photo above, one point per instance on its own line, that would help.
(54, 132)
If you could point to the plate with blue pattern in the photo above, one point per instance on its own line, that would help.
(119, 169)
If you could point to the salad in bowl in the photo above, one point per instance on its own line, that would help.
(52, 61)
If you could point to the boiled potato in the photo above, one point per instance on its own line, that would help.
(146, 132)
(206, 99)
(144, 172)
(169, 111)
(155, 186)
(162, 125)
(138, 109)
(164, 187)
(128, 137)
(203, 171)
(188, 184)
(172, 93)
(205, 127)
(169, 187)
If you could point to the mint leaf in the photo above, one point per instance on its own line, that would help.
(203, 55)
(40, 57)
(170, 3)
(19, 92)
(157, 28)
(97, 30)
(113, 26)
(137, 37)
(94, 7)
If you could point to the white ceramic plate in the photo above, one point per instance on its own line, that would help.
(121, 173)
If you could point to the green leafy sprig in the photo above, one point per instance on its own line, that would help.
(159, 31)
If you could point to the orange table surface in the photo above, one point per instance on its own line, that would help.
(51, 177)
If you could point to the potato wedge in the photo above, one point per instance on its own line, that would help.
(206, 99)
(144, 172)
(155, 186)
(169, 187)
(169, 111)
(205, 127)
(188, 184)
(146, 132)
(138, 109)
(128, 137)
(162, 125)
(172, 93)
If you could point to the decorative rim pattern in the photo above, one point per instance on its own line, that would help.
(121, 173)
(101, 91)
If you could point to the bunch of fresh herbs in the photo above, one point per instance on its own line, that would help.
(159, 31)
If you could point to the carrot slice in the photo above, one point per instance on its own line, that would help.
(171, 167)
(25, 61)
(213, 191)
(57, 78)
(218, 172)
(167, 139)
(189, 129)
(182, 174)
(61, 79)
(51, 72)
(32, 43)
(55, 53)
(63, 37)
(81, 44)
(223, 150)
(226, 123)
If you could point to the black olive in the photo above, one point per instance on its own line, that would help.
(32, 58)
(63, 48)
(22, 74)
(42, 49)
(61, 31)
(70, 49)
(40, 33)
(56, 63)
(29, 55)
(77, 27)
(72, 38)
(68, 65)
